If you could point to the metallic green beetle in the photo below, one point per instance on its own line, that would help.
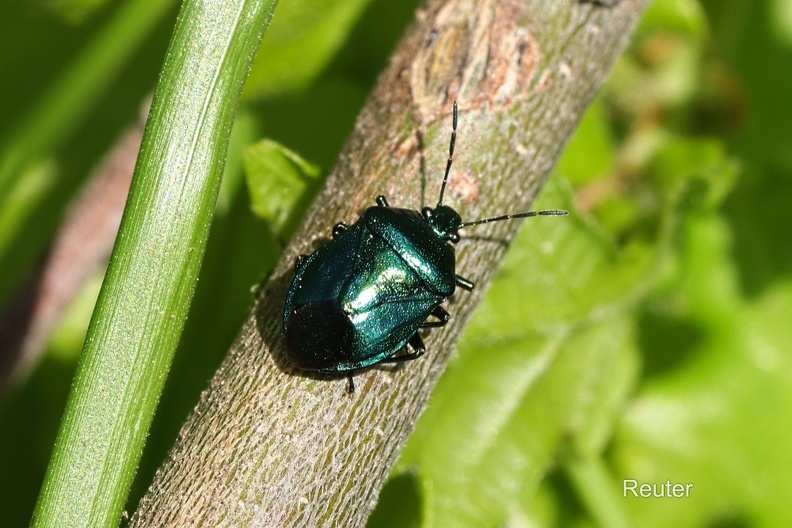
(361, 298)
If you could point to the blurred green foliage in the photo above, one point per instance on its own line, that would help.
(280, 184)
(653, 345)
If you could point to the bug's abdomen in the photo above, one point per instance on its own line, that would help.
(323, 332)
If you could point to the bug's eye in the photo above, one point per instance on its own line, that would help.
(454, 237)
(427, 212)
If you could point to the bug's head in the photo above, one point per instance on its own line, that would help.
(444, 221)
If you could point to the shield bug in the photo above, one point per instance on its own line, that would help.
(361, 298)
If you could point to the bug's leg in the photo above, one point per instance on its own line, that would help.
(602, 3)
(442, 318)
(299, 261)
(418, 347)
(464, 283)
(351, 386)
(382, 201)
(339, 229)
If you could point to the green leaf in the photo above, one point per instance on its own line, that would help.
(591, 151)
(679, 16)
(697, 171)
(76, 11)
(281, 185)
(303, 39)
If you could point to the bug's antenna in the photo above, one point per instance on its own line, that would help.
(450, 156)
(547, 212)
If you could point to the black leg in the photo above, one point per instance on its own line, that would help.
(351, 386)
(417, 344)
(442, 318)
(601, 3)
(339, 229)
(463, 283)
(299, 261)
(382, 201)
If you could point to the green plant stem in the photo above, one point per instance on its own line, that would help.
(151, 277)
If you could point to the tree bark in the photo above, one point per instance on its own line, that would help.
(271, 446)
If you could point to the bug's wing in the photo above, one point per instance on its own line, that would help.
(328, 269)
(389, 326)
(385, 300)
